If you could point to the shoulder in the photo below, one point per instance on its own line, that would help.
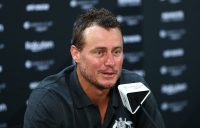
(50, 102)
(56, 80)
(51, 89)
(128, 76)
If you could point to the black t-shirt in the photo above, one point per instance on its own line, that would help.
(60, 102)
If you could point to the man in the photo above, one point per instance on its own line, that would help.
(85, 95)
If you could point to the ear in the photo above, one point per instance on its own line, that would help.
(74, 53)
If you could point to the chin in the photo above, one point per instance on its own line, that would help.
(109, 85)
(105, 87)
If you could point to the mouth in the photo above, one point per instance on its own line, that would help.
(109, 74)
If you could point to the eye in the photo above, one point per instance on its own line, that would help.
(99, 53)
(117, 52)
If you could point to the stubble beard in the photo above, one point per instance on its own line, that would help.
(93, 81)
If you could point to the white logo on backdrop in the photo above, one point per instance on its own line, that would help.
(39, 46)
(41, 65)
(126, 3)
(172, 1)
(1, 68)
(128, 39)
(38, 26)
(133, 57)
(172, 53)
(83, 4)
(37, 7)
(1, 5)
(1, 28)
(175, 34)
(176, 70)
(172, 89)
(172, 16)
(174, 106)
(3, 107)
(130, 20)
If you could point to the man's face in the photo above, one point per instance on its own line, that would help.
(100, 61)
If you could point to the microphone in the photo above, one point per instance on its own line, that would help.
(133, 95)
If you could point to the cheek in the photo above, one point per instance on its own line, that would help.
(96, 64)
(91, 63)
(119, 62)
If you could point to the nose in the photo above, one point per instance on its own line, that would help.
(109, 60)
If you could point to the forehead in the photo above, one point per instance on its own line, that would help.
(99, 36)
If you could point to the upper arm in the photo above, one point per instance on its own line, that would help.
(42, 110)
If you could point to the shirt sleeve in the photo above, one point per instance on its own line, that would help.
(42, 110)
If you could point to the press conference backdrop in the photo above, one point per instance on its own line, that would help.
(160, 43)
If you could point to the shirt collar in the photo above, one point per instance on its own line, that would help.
(79, 96)
(81, 99)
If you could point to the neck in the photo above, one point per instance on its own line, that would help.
(96, 95)
(100, 97)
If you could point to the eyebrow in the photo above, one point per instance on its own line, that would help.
(105, 49)
(118, 47)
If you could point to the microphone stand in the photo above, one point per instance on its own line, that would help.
(148, 116)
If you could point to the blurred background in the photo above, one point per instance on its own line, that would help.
(161, 43)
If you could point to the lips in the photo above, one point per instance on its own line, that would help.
(109, 74)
